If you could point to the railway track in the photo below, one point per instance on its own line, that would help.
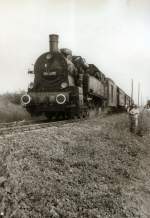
(24, 126)
(29, 125)
(16, 123)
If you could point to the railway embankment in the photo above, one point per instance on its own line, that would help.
(92, 168)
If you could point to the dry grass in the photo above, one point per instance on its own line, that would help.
(90, 169)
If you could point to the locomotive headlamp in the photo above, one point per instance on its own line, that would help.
(31, 85)
(64, 85)
(60, 99)
(25, 99)
(48, 56)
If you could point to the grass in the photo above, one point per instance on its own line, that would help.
(91, 169)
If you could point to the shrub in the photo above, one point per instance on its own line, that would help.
(11, 109)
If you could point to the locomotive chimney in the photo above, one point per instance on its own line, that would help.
(53, 43)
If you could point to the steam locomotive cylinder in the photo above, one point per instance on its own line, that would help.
(53, 43)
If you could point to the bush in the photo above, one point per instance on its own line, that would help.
(11, 109)
(13, 97)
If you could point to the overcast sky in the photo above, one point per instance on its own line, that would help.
(112, 34)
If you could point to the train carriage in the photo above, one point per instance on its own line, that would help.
(111, 93)
(120, 98)
(127, 100)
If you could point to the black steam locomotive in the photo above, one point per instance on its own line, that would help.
(65, 85)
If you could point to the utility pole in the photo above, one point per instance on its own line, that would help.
(138, 94)
(141, 100)
(131, 91)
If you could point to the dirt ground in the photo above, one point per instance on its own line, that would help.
(92, 169)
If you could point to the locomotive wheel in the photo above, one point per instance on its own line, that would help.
(87, 113)
(48, 116)
(84, 114)
(61, 116)
(67, 116)
(51, 116)
(81, 115)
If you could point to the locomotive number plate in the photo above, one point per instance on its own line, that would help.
(49, 73)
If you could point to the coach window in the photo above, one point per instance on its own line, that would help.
(112, 90)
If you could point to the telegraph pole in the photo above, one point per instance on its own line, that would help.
(138, 94)
(131, 91)
(141, 100)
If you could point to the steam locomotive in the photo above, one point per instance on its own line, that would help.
(65, 85)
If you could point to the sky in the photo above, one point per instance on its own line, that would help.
(112, 34)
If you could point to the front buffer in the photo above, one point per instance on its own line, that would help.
(55, 104)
